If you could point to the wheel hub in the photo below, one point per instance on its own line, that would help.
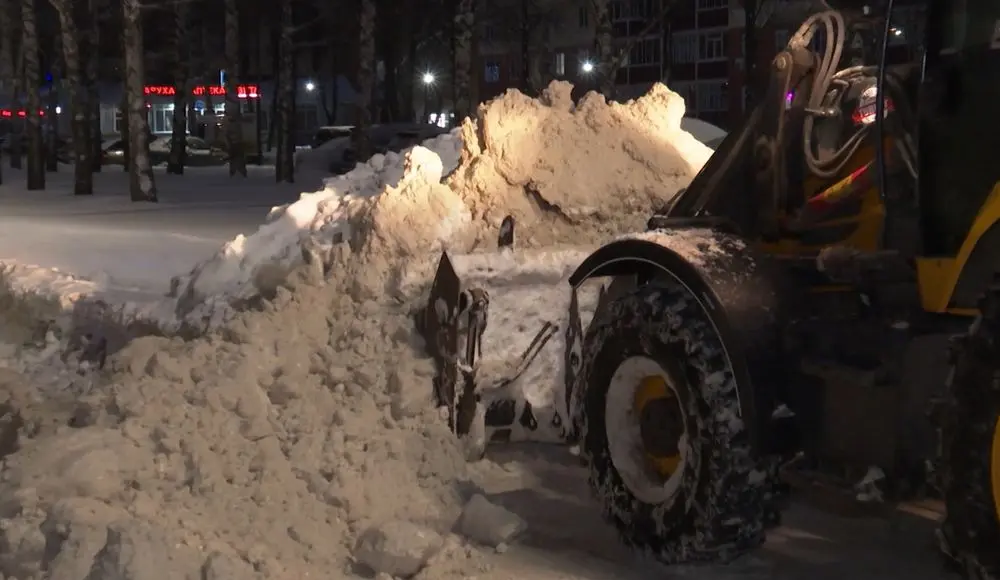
(661, 424)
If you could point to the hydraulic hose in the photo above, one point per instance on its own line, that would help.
(826, 74)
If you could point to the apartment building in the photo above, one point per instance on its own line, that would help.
(558, 42)
(706, 57)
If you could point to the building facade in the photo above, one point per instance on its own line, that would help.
(697, 47)
(706, 60)
(558, 43)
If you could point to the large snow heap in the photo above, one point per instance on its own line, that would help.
(266, 448)
(567, 172)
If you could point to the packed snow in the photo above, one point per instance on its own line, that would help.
(297, 438)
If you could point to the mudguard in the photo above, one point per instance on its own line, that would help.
(743, 292)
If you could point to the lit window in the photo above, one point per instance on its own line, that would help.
(559, 64)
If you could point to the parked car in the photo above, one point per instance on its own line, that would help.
(330, 132)
(337, 155)
(199, 152)
(64, 149)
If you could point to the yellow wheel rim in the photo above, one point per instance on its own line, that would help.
(995, 467)
(655, 388)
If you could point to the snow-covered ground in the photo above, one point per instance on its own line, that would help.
(108, 236)
(300, 440)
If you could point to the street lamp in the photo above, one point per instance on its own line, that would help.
(428, 80)
(310, 86)
(587, 67)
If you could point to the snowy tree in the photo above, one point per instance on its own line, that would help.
(361, 140)
(32, 78)
(285, 105)
(611, 57)
(51, 122)
(94, 9)
(83, 179)
(182, 88)
(234, 117)
(7, 68)
(12, 15)
(464, 27)
(142, 187)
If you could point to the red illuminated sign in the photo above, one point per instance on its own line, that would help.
(8, 114)
(242, 91)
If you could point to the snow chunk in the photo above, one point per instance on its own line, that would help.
(397, 548)
(489, 524)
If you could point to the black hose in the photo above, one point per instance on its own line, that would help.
(880, 106)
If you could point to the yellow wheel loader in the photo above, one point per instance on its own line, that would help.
(787, 319)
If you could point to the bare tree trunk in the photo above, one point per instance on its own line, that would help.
(83, 177)
(207, 82)
(276, 51)
(51, 123)
(93, 83)
(142, 187)
(19, 128)
(604, 47)
(234, 116)
(32, 78)
(408, 72)
(751, 9)
(7, 73)
(258, 109)
(182, 91)
(125, 131)
(361, 138)
(465, 27)
(284, 170)
(524, 23)
(16, 82)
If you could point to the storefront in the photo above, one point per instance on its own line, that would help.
(256, 102)
(160, 102)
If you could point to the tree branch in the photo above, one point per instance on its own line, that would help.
(645, 31)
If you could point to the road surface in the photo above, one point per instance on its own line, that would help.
(567, 539)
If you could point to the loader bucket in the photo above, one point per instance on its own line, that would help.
(453, 321)
(438, 322)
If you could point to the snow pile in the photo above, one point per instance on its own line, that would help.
(301, 438)
(568, 173)
(264, 451)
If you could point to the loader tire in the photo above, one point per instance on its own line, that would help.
(714, 511)
(970, 462)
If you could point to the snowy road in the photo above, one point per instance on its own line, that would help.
(567, 539)
(197, 213)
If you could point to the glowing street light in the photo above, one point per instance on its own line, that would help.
(587, 67)
(310, 86)
(428, 78)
